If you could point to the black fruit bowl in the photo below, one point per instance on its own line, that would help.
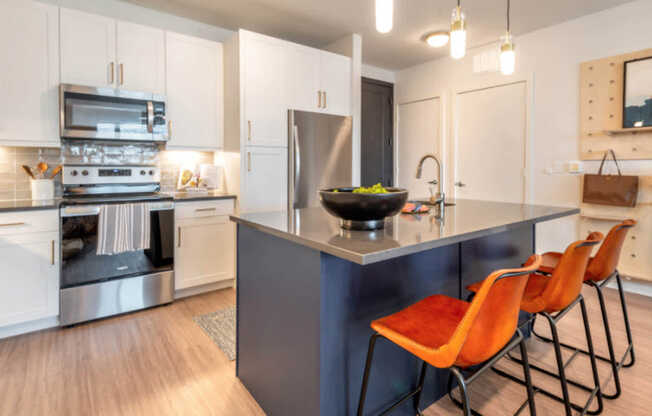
(362, 211)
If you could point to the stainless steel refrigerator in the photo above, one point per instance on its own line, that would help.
(319, 155)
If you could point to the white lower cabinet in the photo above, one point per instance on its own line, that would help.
(205, 243)
(29, 255)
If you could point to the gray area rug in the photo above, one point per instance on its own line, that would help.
(220, 327)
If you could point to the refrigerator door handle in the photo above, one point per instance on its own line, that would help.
(297, 160)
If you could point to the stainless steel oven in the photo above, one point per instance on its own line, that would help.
(111, 114)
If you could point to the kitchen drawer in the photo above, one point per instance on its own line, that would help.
(201, 209)
(21, 222)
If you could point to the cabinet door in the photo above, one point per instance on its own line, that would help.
(29, 280)
(264, 122)
(29, 73)
(303, 78)
(87, 49)
(336, 83)
(265, 179)
(194, 92)
(141, 58)
(205, 252)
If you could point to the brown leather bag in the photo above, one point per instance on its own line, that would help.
(617, 190)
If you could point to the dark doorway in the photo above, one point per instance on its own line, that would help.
(377, 132)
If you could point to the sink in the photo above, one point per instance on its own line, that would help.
(427, 202)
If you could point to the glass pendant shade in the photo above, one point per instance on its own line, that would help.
(384, 15)
(458, 34)
(507, 55)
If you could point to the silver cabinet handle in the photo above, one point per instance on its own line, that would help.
(52, 253)
(122, 74)
(179, 235)
(319, 99)
(459, 184)
(12, 224)
(111, 73)
(205, 209)
(325, 105)
(248, 130)
(248, 161)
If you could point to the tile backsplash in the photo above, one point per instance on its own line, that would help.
(14, 182)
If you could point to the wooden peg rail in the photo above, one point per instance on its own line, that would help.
(601, 111)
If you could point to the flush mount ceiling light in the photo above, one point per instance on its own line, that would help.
(507, 55)
(437, 39)
(384, 15)
(458, 33)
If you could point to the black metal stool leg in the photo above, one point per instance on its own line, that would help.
(560, 364)
(528, 378)
(610, 344)
(422, 378)
(626, 318)
(594, 366)
(367, 370)
(466, 406)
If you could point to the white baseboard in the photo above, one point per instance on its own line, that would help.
(27, 327)
(192, 291)
(633, 286)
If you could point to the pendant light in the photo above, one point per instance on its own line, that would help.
(458, 33)
(507, 55)
(384, 15)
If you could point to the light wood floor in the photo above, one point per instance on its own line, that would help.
(159, 362)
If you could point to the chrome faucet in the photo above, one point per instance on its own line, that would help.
(439, 197)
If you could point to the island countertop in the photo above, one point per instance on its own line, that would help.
(404, 234)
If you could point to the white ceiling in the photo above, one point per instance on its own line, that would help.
(318, 22)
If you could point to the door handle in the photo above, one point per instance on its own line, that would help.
(122, 74)
(297, 161)
(248, 161)
(205, 209)
(111, 73)
(12, 224)
(52, 253)
(179, 237)
(169, 129)
(248, 130)
(325, 105)
(459, 184)
(319, 99)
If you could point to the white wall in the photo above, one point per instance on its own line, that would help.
(380, 74)
(550, 57)
(136, 14)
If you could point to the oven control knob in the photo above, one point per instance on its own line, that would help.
(74, 173)
(142, 172)
(85, 172)
(151, 173)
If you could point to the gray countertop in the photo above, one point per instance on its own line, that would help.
(195, 196)
(28, 205)
(404, 234)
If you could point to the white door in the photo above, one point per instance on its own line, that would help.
(265, 179)
(336, 83)
(87, 49)
(303, 78)
(141, 58)
(265, 106)
(29, 73)
(29, 279)
(194, 92)
(205, 252)
(490, 143)
(418, 135)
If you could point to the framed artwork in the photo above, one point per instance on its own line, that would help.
(637, 100)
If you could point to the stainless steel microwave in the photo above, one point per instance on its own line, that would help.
(111, 114)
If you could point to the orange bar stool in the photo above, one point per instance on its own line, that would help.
(557, 294)
(600, 271)
(448, 333)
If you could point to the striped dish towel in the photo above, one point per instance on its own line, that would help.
(122, 228)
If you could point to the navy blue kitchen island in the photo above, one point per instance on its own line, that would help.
(307, 291)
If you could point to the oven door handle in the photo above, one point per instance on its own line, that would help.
(83, 211)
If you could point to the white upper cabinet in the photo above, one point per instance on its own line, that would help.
(29, 74)
(141, 58)
(194, 92)
(335, 75)
(100, 52)
(303, 85)
(87, 49)
(263, 90)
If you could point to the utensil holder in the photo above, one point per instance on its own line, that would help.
(42, 189)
